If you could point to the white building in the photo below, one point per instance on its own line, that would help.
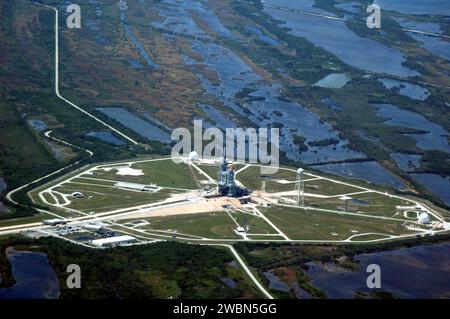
(78, 194)
(93, 227)
(137, 187)
(193, 156)
(53, 222)
(424, 218)
(113, 241)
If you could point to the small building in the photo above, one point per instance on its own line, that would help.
(93, 227)
(193, 156)
(53, 222)
(137, 187)
(245, 200)
(240, 230)
(78, 194)
(424, 219)
(114, 241)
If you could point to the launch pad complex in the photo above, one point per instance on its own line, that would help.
(227, 182)
(215, 200)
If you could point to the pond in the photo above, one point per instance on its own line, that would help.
(2, 185)
(333, 81)
(135, 64)
(107, 137)
(142, 52)
(332, 104)
(435, 136)
(410, 90)
(35, 277)
(2, 189)
(418, 7)
(229, 282)
(262, 36)
(218, 118)
(407, 162)
(432, 44)
(38, 125)
(93, 25)
(437, 184)
(335, 37)
(136, 124)
(178, 18)
(275, 283)
(368, 171)
(417, 272)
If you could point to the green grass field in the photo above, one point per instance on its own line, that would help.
(297, 223)
(329, 188)
(250, 178)
(275, 187)
(25, 220)
(100, 199)
(257, 224)
(164, 173)
(211, 170)
(367, 203)
(168, 174)
(217, 225)
(92, 180)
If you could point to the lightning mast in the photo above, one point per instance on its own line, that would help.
(300, 188)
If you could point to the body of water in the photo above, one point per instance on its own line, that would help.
(332, 104)
(2, 185)
(335, 37)
(38, 125)
(139, 47)
(179, 18)
(438, 185)
(93, 24)
(136, 124)
(275, 283)
(2, 189)
(368, 171)
(107, 137)
(229, 282)
(35, 277)
(333, 81)
(262, 36)
(407, 162)
(266, 100)
(435, 45)
(417, 7)
(135, 64)
(264, 105)
(434, 139)
(417, 272)
(218, 118)
(410, 90)
(351, 7)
